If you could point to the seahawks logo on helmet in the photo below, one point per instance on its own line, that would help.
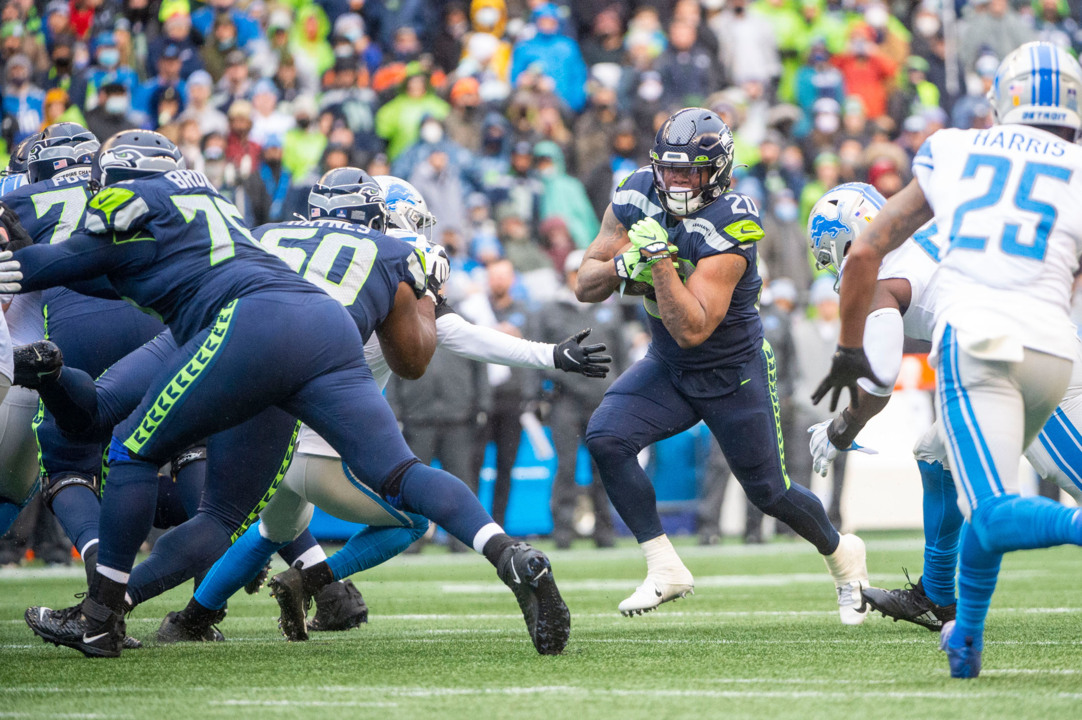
(349, 194)
(133, 154)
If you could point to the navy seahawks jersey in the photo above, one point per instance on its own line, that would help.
(355, 265)
(169, 244)
(51, 210)
(730, 224)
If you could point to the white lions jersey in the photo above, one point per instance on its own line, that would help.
(1007, 200)
(916, 262)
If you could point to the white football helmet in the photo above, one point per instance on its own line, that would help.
(1038, 84)
(836, 221)
(406, 208)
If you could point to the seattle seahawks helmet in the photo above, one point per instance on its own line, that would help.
(17, 161)
(837, 219)
(1038, 84)
(349, 194)
(132, 154)
(692, 160)
(60, 148)
(406, 208)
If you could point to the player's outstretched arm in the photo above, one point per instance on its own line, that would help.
(692, 311)
(597, 275)
(80, 257)
(408, 333)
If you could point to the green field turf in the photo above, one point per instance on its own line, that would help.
(761, 639)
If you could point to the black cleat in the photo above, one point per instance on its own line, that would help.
(89, 627)
(288, 589)
(253, 585)
(339, 606)
(909, 604)
(36, 363)
(528, 573)
(188, 626)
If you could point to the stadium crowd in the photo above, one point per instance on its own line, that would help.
(516, 121)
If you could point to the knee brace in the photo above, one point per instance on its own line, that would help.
(391, 487)
(195, 453)
(53, 484)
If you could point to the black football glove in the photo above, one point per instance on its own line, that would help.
(570, 356)
(13, 235)
(847, 366)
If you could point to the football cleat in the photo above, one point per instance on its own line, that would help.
(339, 606)
(189, 626)
(288, 589)
(909, 604)
(89, 627)
(656, 590)
(965, 662)
(253, 585)
(36, 363)
(528, 573)
(849, 567)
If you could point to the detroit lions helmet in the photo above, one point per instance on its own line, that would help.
(406, 208)
(1038, 84)
(60, 148)
(692, 160)
(132, 154)
(837, 219)
(349, 194)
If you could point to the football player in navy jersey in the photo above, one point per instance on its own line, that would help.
(675, 234)
(256, 341)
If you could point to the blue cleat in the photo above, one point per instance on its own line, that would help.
(965, 662)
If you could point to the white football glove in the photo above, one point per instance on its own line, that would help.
(822, 450)
(10, 273)
(438, 269)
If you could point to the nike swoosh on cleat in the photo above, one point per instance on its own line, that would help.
(41, 614)
(657, 592)
(92, 638)
(514, 572)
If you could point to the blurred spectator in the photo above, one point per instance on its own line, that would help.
(210, 118)
(825, 135)
(267, 121)
(573, 399)
(308, 39)
(304, 143)
(62, 69)
(748, 50)
(977, 86)
(817, 78)
(691, 12)
(217, 48)
(433, 138)
(235, 84)
(266, 189)
(605, 43)
(487, 53)
(915, 93)
(23, 101)
(887, 32)
(557, 55)
(463, 122)
(494, 160)
(399, 121)
(867, 72)
(106, 68)
(564, 196)
(351, 105)
(385, 18)
(594, 129)
(177, 32)
(168, 79)
(1054, 24)
(623, 159)
(289, 80)
(885, 175)
(439, 183)
(448, 43)
(512, 388)
(826, 176)
(112, 112)
(990, 25)
(58, 108)
(189, 144)
(796, 36)
(240, 151)
(687, 70)
(247, 29)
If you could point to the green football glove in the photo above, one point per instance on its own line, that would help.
(648, 235)
(631, 266)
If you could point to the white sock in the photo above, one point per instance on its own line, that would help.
(92, 543)
(484, 535)
(311, 556)
(114, 575)
(661, 557)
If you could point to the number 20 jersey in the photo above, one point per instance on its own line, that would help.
(1007, 199)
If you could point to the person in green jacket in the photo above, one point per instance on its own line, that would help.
(399, 121)
(564, 196)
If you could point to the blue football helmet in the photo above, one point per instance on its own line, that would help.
(692, 160)
(837, 219)
(60, 148)
(133, 154)
(1038, 84)
(349, 194)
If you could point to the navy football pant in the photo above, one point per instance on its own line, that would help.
(646, 405)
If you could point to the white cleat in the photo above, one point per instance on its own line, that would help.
(849, 567)
(655, 591)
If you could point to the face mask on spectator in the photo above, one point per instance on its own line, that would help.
(487, 17)
(650, 90)
(926, 25)
(109, 57)
(827, 123)
(116, 104)
(431, 132)
(303, 122)
(18, 80)
(62, 63)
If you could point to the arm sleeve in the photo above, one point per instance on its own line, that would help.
(455, 334)
(883, 338)
(81, 257)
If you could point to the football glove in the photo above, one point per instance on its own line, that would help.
(10, 273)
(847, 366)
(823, 451)
(437, 270)
(13, 235)
(571, 356)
